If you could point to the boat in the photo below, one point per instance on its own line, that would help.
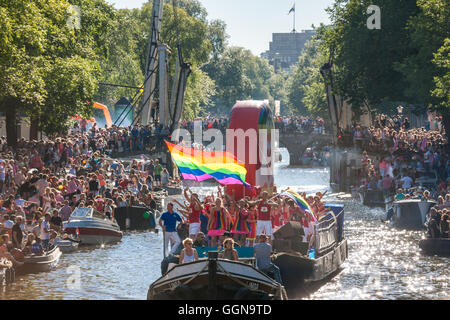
(92, 227)
(66, 245)
(40, 263)
(303, 265)
(172, 190)
(7, 274)
(437, 246)
(375, 198)
(135, 218)
(410, 213)
(215, 279)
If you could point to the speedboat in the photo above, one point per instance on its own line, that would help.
(92, 227)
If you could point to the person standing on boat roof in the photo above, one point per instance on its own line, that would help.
(170, 219)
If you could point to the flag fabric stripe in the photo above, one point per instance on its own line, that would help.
(300, 201)
(202, 165)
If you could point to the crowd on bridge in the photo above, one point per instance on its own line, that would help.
(406, 162)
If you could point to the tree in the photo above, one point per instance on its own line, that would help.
(365, 60)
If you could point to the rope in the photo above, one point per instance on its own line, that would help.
(233, 278)
(196, 275)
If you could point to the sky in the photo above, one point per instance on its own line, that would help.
(250, 23)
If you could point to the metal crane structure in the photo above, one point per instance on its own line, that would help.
(170, 111)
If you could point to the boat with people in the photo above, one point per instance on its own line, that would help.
(410, 213)
(93, 228)
(35, 263)
(301, 263)
(215, 278)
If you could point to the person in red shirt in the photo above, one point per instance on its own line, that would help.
(194, 210)
(264, 221)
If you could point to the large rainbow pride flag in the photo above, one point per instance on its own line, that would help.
(203, 165)
(300, 201)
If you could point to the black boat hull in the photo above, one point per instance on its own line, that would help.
(440, 247)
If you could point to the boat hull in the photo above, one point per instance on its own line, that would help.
(44, 263)
(411, 214)
(375, 199)
(439, 246)
(234, 281)
(95, 236)
(298, 271)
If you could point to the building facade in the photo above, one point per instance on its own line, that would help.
(285, 48)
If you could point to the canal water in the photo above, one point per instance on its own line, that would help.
(383, 262)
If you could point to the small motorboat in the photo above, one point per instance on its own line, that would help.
(66, 245)
(215, 279)
(437, 246)
(411, 213)
(93, 228)
(40, 263)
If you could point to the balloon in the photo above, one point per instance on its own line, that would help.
(146, 215)
(60, 187)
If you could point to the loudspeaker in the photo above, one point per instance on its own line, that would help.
(281, 245)
(290, 230)
(300, 246)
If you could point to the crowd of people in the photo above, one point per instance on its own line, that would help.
(219, 220)
(410, 163)
(43, 182)
(300, 124)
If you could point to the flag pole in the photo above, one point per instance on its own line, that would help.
(294, 19)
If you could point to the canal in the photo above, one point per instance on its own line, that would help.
(383, 262)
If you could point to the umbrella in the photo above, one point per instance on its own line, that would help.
(32, 171)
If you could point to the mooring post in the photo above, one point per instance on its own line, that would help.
(212, 274)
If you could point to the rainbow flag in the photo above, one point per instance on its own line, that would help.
(300, 201)
(203, 165)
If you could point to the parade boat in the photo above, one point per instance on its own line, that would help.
(136, 218)
(410, 213)
(435, 246)
(40, 263)
(215, 279)
(301, 265)
(92, 227)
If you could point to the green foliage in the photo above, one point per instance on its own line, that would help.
(442, 83)
(198, 96)
(428, 29)
(306, 88)
(365, 59)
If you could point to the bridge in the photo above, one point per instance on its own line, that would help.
(296, 143)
